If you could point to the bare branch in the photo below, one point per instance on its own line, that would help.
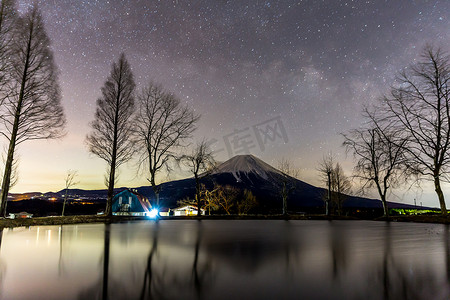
(163, 126)
(31, 107)
(200, 162)
(418, 108)
(69, 181)
(112, 133)
(287, 181)
(337, 182)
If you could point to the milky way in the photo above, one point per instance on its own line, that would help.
(298, 70)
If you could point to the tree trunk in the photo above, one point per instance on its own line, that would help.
(197, 195)
(15, 129)
(106, 263)
(284, 194)
(7, 174)
(112, 173)
(437, 188)
(339, 203)
(327, 205)
(385, 206)
(156, 190)
(64, 204)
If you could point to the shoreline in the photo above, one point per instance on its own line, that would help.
(87, 219)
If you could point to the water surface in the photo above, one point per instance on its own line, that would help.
(225, 259)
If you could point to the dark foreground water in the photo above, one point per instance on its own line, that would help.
(227, 260)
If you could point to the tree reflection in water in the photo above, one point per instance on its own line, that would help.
(289, 259)
(60, 260)
(162, 282)
(202, 274)
(405, 280)
(151, 288)
(338, 243)
(291, 250)
(106, 262)
(2, 267)
(446, 242)
(94, 291)
(386, 257)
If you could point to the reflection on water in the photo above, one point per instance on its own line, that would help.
(226, 260)
(2, 269)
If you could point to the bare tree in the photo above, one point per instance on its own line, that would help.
(69, 181)
(290, 175)
(419, 107)
(246, 203)
(325, 169)
(225, 197)
(200, 162)
(33, 108)
(337, 182)
(380, 155)
(111, 138)
(209, 196)
(220, 197)
(8, 16)
(341, 185)
(164, 125)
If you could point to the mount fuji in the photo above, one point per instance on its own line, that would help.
(242, 172)
(264, 181)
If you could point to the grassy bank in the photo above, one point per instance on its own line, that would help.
(9, 223)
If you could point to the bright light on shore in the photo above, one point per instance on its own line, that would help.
(153, 213)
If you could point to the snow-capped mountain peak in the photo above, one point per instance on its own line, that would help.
(244, 165)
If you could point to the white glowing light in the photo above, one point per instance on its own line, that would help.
(153, 213)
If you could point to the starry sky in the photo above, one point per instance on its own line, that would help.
(272, 78)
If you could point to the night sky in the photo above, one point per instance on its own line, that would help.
(275, 79)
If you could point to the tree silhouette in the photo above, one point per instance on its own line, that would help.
(287, 181)
(111, 138)
(164, 124)
(418, 106)
(8, 16)
(380, 155)
(32, 110)
(200, 162)
(69, 181)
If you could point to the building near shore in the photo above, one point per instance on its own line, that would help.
(130, 203)
(20, 215)
(187, 210)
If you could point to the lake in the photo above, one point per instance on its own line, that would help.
(227, 259)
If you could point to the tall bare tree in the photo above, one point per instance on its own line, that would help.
(8, 15)
(337, 182)
(164, 125)
(341, 185)
(33, 108)
(69, 181)
(290, 174)
(325, 169)
(111, 138)
(419, 107)
(380, 157)
(200, 162)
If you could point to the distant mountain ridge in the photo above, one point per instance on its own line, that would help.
(252, 173)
